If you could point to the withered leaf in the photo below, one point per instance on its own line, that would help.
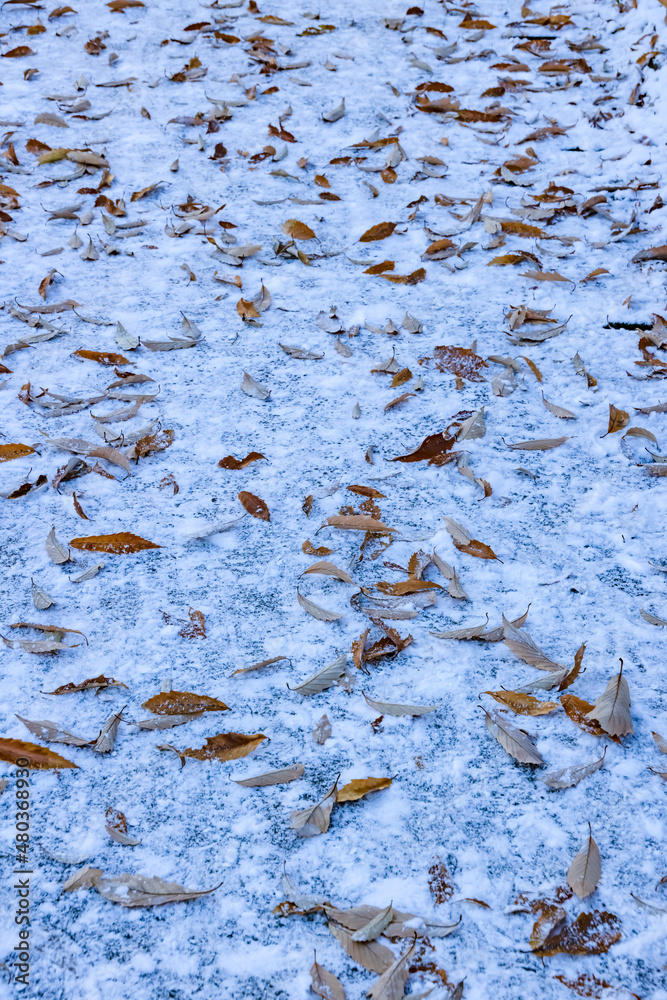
(120, 543)
(183, 703)
(517, 743)
(356, 522)
(324, 678)
(464, 542)
(297, 230)
(50, 732)
(116, 827)
(433, 449)
(92, 683)
(414, 278)
(102, 357)
(145, 890)
(258, 666)
(252, 387)
(565, 777)
(280, 777)
(310, 550)
(540, 444)
(315, 819)
(406, 587)
(322, 614)
(558, 411)
(523, 646)
(391, 984)
(590, 934)
(661, 742)
(577, 710)
(460, 361)
(440, 882)
(38, 757)
(389, 708)
(612, 709)
(224, 746)
(40, 598)
(618, 419)
(56, 552)
(585, 871)
(371, 955)
(255, 505)
(378, 232)
(329, 569)
(105, 741)
(357, 788)
(10, 451)
(523, 704)
(324, 984)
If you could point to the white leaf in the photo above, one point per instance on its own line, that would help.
(280, 777)
(40, 598)
(387, 708)
(56, 552)
(523, 646)
(335, 113)
(565, 777)
(107, 738)
(126, 341)
(88, 574)
(315, 819)
(324, 678)
(558, 411)
(145, 890)
(251, 387)
(51, 732)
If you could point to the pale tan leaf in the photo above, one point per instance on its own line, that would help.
(514, 741)
(356, 522)
(56, 552)
(565, 777)
(375, 926)
(523, 646)
(315, 819)
(661, 742)
(145, 890)
(388, 708)
(558, 411)
(258, 666)
(50, 732)
(612, 709)
(279, 777)
(370, 955)
(40, 598)
(105, 741)
(541, 444)
(324, 678)
(324, 984)
(391, 984)
(252, 387)
(329, 569)
(84, 878)
(322, 614)
(584, 873)
(652, 619)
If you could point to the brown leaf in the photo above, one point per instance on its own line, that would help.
(322, 614)
(367, 491)
(116, 827)
(460, 361)
(357, 522)
(310, 550)
(39, 758)
(10, 451)
(653, 253)
(358, 787)
(193, 629)
(246, 309)
(254, 505)
(102, 357)
(120, 543)
(406, 587)
(224, 746)
(432, 449)
(577, 709)
(92, 683)
(371, 955)
(258, 666)
(590, 934)
(240, 463)
(159, 441)
(618, 419)
(329, 569)
(324, 984)
(18, 52)
(413, 278)
(465, 543)
(183, 703)
(523, 704)
(439, 882)
(297, 230)
(379, 232)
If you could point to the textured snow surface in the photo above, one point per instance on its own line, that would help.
(577, 536)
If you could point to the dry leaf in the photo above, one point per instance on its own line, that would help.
(40, 598)
(371, 955)
(391, 984)
(376, 925)
(460, 361)
(524, 646)
(577, 710)
(568, 776)
(251, 387)
(590, 934)
(440, 882)
(433, 449)
(661, 742)
(105, 741)
(50, 732)
(324, 984)
(324, 678)
(322, 614)
(121, 543)
(259, 666)
(92, 683)
(541, 444)
(464, 542)
(116, 827)
(280, 777)
(224, 746)
(37, 757)
(56, 552)
(612, 709)
(517, 743)
(315, 819)
(10, 451)
(297, 230)
(558, 411)
(356, 789)
(585, 871)
(388, 708)
(356, 522)
(618, 419)
(254, 505)
(328, 569)
(145, 890)
(183, 703)
(379, 232)
(523, 704)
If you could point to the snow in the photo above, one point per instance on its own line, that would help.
(576, 541)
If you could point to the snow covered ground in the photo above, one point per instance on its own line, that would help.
(578, 529)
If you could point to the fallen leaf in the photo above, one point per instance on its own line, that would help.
(280, 777)
(37, 757)
(378, 232)
(56, 552)
(259, 666)
(388, 708)
(224, 746)
(540, 444)
(618, 419)
(577, 710)
(121, 543)
(523, 704)
(92, 683)
(558, 411)
(328, 569)
(357, 789)
(585, 871)
(661, 742)
(315, 819)
(116, 827)
(464, 542)
(370, 955)
(297, 230)
(183, 703)
(324, 678)
(566, 777)
(391, 984)
(324, 984)
(524, 646)
(102, 357)
(612, 709)
(517, 743)
(460, 361)
(590, 934)
(251, 387)
(356, 522)
(440, 882)
(10, 451)
(145, 890)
